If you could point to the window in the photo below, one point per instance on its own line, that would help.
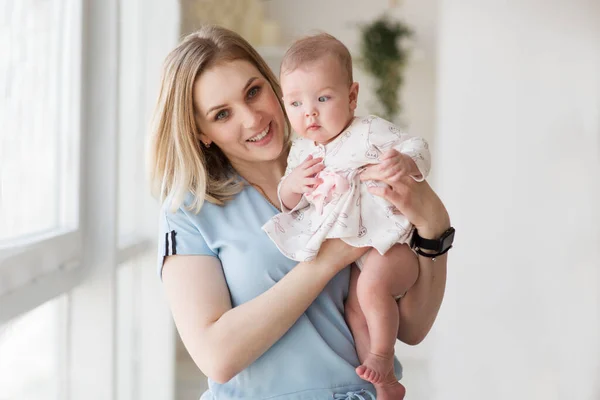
(32, 354)
(39, 141)
(78, 287)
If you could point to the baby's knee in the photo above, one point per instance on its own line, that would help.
(394, 273)
(406, 261)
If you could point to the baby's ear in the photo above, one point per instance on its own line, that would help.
(353, 96)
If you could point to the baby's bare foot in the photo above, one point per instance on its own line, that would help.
(376, 368)
(391, 390)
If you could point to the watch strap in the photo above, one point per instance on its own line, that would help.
(437, 246)
(430, 255)
(428, 244)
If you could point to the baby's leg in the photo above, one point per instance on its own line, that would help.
(355, 317)
(389, 388)
(382, 279)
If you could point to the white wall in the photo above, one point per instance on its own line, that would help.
(518, 151)
(509, 94)
(341, 19)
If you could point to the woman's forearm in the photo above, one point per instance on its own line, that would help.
(419, 307)
(244, 333)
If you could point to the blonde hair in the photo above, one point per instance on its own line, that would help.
(178, 163)
(315, 47)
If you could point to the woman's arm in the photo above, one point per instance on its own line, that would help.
(223, 340)
(418, 309)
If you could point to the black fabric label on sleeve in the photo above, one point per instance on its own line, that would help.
(170, 243)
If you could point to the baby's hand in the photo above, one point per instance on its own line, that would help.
(303, 178)
(394, 165)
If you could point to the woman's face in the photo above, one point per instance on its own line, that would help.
(237, 110)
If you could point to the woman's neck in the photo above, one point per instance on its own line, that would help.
(266, 174)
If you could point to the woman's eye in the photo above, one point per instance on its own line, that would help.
(221, 115)
(253, 92)
(323, 99)
(295, 104)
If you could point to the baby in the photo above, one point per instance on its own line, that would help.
(323, 197)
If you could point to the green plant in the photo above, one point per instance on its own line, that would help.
(383, 56)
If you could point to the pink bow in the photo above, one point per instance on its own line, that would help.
(333, 184)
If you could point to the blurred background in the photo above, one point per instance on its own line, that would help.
(507, 92)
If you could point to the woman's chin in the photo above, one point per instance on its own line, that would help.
(270, 151)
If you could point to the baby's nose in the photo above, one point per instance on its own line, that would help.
(312, 113)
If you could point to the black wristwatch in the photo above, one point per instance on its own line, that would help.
(436, 246)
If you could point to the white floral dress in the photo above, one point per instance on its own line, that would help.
(341, 207)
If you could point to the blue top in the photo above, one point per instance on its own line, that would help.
(316, 358)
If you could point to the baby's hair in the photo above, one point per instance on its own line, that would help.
(315, 47)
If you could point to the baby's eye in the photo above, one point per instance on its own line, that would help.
(295, 104)
(323, 99)
(221, 115)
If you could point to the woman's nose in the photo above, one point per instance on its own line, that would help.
(252, 118)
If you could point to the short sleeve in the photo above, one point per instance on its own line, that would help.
(385, 135)
(178, 234)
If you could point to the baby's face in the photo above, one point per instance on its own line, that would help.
(318, 100)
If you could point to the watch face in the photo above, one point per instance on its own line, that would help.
(448, 239)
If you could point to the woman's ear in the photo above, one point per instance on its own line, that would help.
(353, 96)
(204, 139)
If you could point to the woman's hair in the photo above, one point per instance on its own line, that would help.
(178, 162)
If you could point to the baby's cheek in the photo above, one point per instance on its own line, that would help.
(297, 125)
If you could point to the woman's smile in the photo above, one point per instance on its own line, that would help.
(263, 138)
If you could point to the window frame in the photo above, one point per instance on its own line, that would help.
(39, 267)
(85, 262)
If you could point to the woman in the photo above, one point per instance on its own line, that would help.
(256, 323)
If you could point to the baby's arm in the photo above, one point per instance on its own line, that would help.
(300, 180)
(417, 149)
(414, 158)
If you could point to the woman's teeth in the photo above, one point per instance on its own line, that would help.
(260, 135)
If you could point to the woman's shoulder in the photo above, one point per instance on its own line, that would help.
(189, 217)
(371, 120)
(190, 210)
(378, 129)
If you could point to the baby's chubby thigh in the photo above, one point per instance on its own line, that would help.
(393, 272)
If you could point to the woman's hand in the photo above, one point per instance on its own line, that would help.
(394, 165)
(335, 254)
(415, 200)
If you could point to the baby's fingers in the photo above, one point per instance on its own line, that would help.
(314, 169)
(312, 182)
(310, 161)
